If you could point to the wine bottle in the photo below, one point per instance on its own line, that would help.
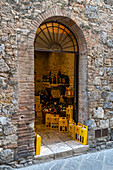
(54, 79)
(50, 101)
(50, 73)
(67, 79)
(50, 79)
(59, 77)
(47, 78)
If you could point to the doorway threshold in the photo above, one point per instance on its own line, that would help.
(57, 145)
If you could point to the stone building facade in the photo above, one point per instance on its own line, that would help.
(91, 23)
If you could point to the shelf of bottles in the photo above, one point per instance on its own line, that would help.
(50, 103)
(60, 79)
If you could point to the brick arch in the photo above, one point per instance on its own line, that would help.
(26, 78)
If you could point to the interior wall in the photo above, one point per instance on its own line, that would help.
(46, 61)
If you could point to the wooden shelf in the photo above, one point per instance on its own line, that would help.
(54, 85)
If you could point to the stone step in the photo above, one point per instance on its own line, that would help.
(60, 150)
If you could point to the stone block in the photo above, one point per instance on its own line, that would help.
(93, 96)
(111, 122)
(61, 150)
(104, 123)
(112, 136)
(103, 146)
(3, 120)
(19, 165)
(107, 88)
(111, 112)
(107, 105)
(5, 167)
(99, 62)
(80, 149)
(3, 66)
(97, 81)
(103, 37)
(101, 71)
(2, 48)
(105, 82)
(110, 43)
(10, 139)
(9, 109)
(90, 123)
(108, 2)
(104, 95)
(0, 131)
(99, 113)
(7, 130)
(109, 143)
(73, 144)
(6, 156)
(91, 11)
(45, 155)
(111, 96)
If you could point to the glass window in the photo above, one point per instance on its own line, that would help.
(55, 36)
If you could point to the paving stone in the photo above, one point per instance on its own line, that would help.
(63, 136)
(109, 161)
(101, 160)
(73, 144)
(61, 150)
(91, 165)
(105, 167)
(45, 154)
(80, 149)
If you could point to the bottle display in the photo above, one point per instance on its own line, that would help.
(60, 79)
(55, 95)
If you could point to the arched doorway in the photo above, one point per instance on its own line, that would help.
(26, 109)
(56, 54)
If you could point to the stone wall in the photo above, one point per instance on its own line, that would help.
(91, 22)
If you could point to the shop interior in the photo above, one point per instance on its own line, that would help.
(54, 89)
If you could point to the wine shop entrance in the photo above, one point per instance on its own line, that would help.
(56, 82)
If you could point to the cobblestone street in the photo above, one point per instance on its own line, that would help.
(102, 160)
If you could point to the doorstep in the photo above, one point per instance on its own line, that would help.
(60, 150)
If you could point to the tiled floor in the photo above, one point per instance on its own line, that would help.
(49, 136)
